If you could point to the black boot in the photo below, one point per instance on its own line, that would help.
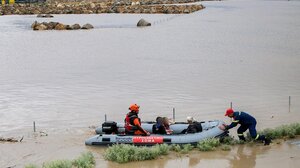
(264, 139)
(242, 138)
(267, 141)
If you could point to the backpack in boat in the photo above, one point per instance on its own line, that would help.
(110, 127)
(194, 128)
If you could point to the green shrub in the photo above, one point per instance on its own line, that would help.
(229, 140)
(120, 153)
(289, 131)
(186, 148)
(123, 153)
(162, 149)
(58, 164)
(181, 148)
(86, 160)
(208, 144)
(145, 153)
(176, 148)
(31, 166)
(296, 127)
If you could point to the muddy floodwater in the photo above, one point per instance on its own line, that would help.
(244, 52)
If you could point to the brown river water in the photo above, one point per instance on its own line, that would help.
(244, 52)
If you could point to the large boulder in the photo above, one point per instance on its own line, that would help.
(87, 26)
(61, 6)
(48, 16)
(60, 26)
(75, 27)
(92, 5)
(68, 27)
(142, 23)
(52, 25)
(34, 24)
(40, 27)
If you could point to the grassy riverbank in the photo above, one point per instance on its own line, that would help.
(127, 153)
(123, 153)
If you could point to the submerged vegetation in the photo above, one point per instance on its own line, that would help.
(208, 144)
(126, 153)
(86, 160)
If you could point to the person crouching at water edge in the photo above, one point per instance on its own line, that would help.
(247, 122)
(133, 122)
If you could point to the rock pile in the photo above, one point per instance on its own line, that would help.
(58, 26)
(120, 6)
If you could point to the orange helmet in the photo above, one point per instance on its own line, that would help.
(134, 107)
(229, 111)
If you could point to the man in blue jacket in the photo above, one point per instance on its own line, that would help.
(247, 122)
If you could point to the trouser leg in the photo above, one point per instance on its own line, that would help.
(241, 131)
(256, 136)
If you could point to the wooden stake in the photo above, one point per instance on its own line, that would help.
(34, 126)
(289, 103)
(174, 115)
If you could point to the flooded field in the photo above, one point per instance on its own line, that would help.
(244, 52)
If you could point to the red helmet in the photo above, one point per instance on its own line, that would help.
(134, 107)
(229, 111)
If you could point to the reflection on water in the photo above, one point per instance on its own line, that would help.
(194, 161)
(242, 158)
(239, 156)
(246, 157)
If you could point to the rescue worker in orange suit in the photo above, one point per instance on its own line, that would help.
(247, 122)
(133, 122)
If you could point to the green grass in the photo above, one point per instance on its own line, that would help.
(128, 153)
(86, 160)
(186, 148)
(58, 164)
(208, 144)
(31, 166)
(284, 131)
(175, 147)
(181, 148)
(124, 153)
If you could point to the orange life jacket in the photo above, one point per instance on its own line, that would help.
(129, 122)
